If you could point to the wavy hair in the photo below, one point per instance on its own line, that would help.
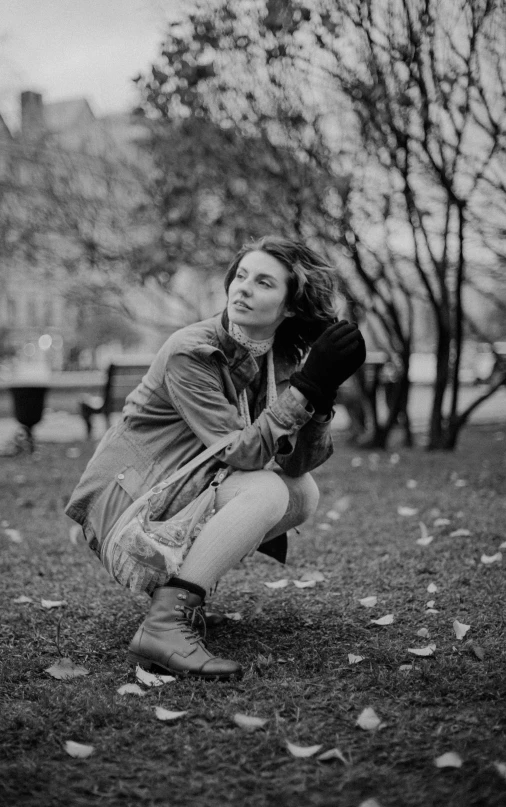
(312, 292)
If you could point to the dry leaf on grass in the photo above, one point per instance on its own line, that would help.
(460, 533)
(449, 760)
(423, 651)
(500, 768)
(368, 602)
(394, 459)
(249, 722)
(302, 752)
(383, 620)
(432, 588)
(277, 583)
(423, 632)
(442, 522)
(431, 603)
(352, 659)
(333, 515)
(356, 462)
(22, 600)
(78, 750)
(304, 583)
(324, 527)
(48, 604)
(503, 545)
(411, 484)
(406, 668)
(425, 539)
(152, 680)
(368, 719)
(369, 803)
(315, 575)
(460, 629)
(65, 669)
(166, 714)
(432, 611)
(234, 616)
(407, 511)
(487, 559)
(332, 753)
(477, 650)
(13, 535)
(131, 689)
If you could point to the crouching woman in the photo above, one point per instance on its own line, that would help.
(265, 372)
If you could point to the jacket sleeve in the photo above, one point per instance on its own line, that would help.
(196, 388)
(310, 448)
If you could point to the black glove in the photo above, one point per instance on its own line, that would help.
(334, 357)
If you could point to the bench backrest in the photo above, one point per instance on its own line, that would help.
(121, 379)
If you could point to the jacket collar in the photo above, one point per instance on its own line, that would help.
(243, 366)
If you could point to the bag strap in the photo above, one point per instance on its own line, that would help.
(196, 461)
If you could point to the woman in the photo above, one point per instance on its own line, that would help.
(239, 372)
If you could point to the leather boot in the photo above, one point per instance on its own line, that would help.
(168, 640)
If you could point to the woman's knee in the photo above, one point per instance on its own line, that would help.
(265, 488)
(305, 495)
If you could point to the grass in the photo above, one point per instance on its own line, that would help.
(293, 643)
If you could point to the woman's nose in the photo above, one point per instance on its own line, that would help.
(245, 286)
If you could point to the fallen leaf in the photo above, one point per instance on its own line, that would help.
(315, 575)
(369, 602)
(431, 604)
(75, 532)
(352, 659)
(503, 545)
(406, 668)
(432, 588)
(65, 669)
(383, 620)
(22, 599)
(249, 722)
(277, 583)
(369, 803)
(411, 484)
(52, 603)
(13, 535)
(442, 522)
(342, 504)
(449, 760)
(423, 632)
(356, 462)
(152, 680)
(333, 515)
(305, 583)
(131, 689)
(234, 616)
(332, 753)
(460, 629)
(478, 651)
(368, 719)
(423, 651)
(302, 751)
(78, 750)
(425, 540)
(460, 483)
(166, 714)
(407, 511)
(487, 559)
(460, 533)
(501, 768)
(394, 459)
(324, 527)
(432, 611)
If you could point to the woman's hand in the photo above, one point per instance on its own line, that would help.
(333, 358)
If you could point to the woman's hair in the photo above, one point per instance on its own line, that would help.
(312, 292)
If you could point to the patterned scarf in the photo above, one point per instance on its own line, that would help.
(256, 348)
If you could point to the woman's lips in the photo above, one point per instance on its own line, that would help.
(242, 305)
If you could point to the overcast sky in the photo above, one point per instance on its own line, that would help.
(69, 48)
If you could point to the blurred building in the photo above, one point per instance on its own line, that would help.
(70, 184)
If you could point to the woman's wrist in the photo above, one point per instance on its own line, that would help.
(299, 396)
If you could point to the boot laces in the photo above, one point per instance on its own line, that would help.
(194, 622)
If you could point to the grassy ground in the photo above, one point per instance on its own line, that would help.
(294, 644)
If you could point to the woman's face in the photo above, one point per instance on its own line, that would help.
(257, 295)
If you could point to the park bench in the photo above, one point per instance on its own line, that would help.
(122, 377)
